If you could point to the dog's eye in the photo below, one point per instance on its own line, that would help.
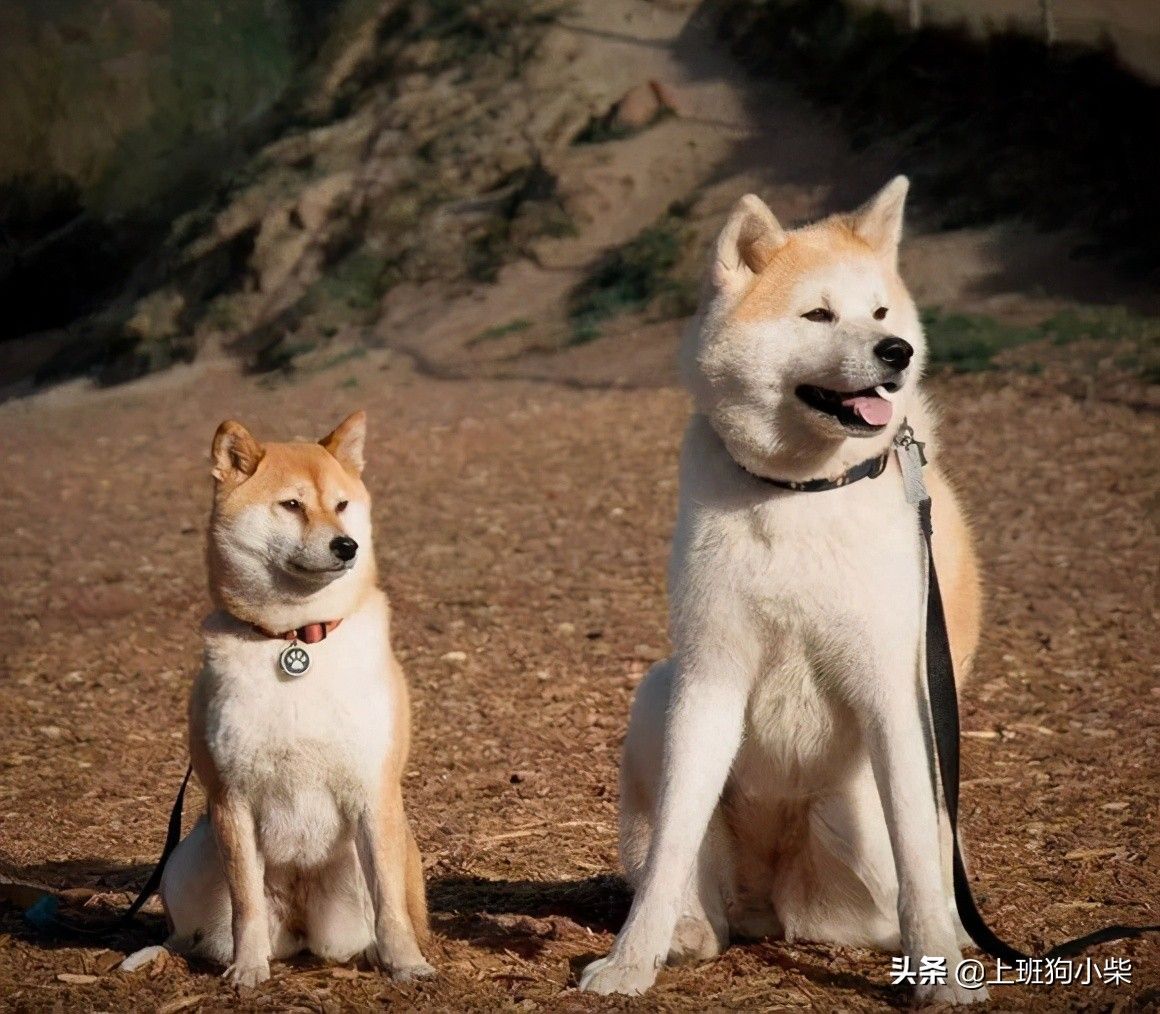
(820, 315)
(880, 313)
(341, 506)
(290, 505)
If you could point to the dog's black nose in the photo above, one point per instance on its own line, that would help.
(344, 547)
(894, 352)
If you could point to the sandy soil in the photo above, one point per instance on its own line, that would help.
(525, 523)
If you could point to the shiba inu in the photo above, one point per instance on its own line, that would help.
(299, 725)
(776, 778)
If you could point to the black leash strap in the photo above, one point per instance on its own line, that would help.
(944, 707)
(172, 839)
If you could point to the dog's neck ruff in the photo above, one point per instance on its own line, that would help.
(871, 468)
(311, 633)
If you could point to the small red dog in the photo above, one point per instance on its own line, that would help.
(299, 725)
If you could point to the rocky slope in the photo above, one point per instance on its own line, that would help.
(528, 188)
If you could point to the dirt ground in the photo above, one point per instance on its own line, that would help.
(526, 525)
(522, 528)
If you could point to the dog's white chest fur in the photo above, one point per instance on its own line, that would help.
(813, 586)
(306, 751)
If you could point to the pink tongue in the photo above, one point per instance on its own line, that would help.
(873, 410)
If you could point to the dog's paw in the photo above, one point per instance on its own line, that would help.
(247, 974)
(400, 971)
(409, 973)
(947, 994)
(615, 975)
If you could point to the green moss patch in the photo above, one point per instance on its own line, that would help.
(639, 275)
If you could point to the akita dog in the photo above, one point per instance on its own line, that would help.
(776, 778)
(299, 725)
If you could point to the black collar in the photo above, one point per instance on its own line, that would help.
(871, 468)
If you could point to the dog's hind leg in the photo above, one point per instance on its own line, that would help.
(701, 931)
(196, 898)
(640, 769)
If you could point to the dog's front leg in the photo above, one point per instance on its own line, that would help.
(233, 825)
(902, 770)
(702, 734)
(382, 851)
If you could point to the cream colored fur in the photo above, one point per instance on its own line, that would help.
(305, 845)
(776, 779)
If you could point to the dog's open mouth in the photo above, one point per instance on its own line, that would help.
(865, 411)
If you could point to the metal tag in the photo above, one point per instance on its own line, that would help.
(294, 660)
(912, 459)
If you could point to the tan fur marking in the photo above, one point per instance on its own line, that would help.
(346, 442)
(806, 250)
(393, 819)
(233, 826)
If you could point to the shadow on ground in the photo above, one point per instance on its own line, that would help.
(523, 915)
(79, 903)
(517, 915)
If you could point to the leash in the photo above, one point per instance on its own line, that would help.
(944, 708)
(172, 839)
(42, 914)
(944, 699)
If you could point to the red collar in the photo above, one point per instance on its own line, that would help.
(312, 633)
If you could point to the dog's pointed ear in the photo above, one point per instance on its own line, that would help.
(747, 243)
(347, 441)
(236, 454)
(879, 220)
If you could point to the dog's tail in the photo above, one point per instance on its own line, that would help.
(416, 891)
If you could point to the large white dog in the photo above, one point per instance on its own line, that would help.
(776, 778)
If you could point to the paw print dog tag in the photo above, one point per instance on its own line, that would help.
(294, 660)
